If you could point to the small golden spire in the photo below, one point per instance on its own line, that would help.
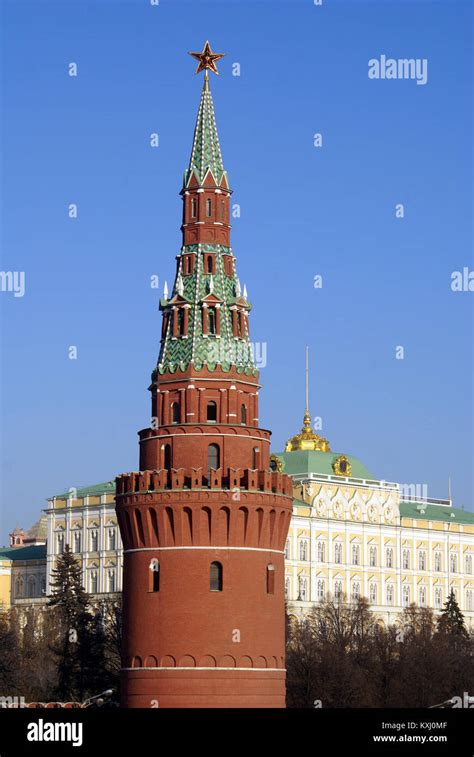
(307, 439)
(207, 60)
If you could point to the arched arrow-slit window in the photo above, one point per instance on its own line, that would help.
(215, 583)
(213, 457)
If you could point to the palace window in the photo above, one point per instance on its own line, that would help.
(287, 549)
(406, 596)
(287, 588)
(373, 593)
(94, 582)
(111, 580)
(31, 586)
(355, 554)
(77, 542)
(215, 581)
(438, 597)
(437, 561)
(303, 589)
(303, 549)
(320, 591)
(422, 560)
(406, 559)
(338, 590)
(373, 557)
(390, 594)
(321, 551)
(355, 590)
(94, 540)
(453, 563)
(213, 457)
(469, 603)
(422, 596)
(338, 552)
(389, 557)
(211, 412)
(112, 538)
(60, 543)
(468, 563)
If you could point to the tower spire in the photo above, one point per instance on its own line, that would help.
(205, 323)
(307, 382)
(307, 439)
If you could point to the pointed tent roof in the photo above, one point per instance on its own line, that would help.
(206, 152)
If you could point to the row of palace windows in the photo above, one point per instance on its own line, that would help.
(32, 586)
(211, 413)
(110, 581)
(93, 541)
(389, 561)
(216, 577)
(373, 589)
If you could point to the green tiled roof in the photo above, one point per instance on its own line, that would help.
(221, 288)
(108, 487)
(32, 552)
(206, 152)
(435, 512)
(312, 461)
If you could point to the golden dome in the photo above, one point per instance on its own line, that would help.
(307, 439)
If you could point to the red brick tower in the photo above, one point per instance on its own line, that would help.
(205, 520)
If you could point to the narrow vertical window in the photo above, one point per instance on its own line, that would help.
(175, 412)
(210, 264)
(222, 212)
(270, 579)
(243, 415)
(181, 322)
(154, 576)
(215, 583)
(213, 457)
(193, 207)
(167, 457)
(211, 320)
(209, 207)
(211, 412)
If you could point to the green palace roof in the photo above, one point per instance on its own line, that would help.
(32, 552)
(108, 487)
(424, 511)
(300, 462)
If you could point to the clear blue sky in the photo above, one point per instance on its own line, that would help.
(304, 211)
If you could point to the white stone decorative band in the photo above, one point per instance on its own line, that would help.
(240, 549)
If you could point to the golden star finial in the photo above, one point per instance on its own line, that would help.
(207, 59)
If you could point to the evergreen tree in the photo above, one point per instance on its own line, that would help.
(67, 591)
(451, 620)
(71, 603)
